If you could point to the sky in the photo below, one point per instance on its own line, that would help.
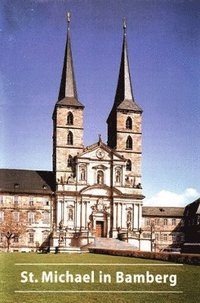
(163, 45)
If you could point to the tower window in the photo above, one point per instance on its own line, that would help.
(100, 177)
(70, 119)
(70, 138)
(129, 143)
(129, 123)
(129, 165)
(69, 161)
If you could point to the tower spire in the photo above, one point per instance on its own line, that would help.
(124, 86)
(124, 93)
(68, 92)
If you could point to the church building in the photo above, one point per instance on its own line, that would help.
(98, 187)
(93, 195)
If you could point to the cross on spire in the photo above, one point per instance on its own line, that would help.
(68, 20)
(124, 25)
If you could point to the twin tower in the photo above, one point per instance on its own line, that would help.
(98, 187)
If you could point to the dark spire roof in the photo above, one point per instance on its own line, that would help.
(124, 98)
(68, 92)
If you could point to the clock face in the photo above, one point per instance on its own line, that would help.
(100, 153)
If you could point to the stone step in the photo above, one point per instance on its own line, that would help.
(110, 243)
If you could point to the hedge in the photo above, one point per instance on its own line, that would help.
(171, 257)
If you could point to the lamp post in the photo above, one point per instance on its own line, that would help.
(140, 231)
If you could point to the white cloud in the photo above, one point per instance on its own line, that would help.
(168, 198)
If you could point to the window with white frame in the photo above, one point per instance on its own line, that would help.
(31, 218)
(46, 217)
(16, 216)
(165, 222)
(165, 237)
(16, 200)
(157, 221)
(31, 237)
(1, 216)
(148, 222)
(31, 201)
(16, 239)
(174, 221)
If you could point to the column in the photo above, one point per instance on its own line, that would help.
(86, 215)
(117, 224)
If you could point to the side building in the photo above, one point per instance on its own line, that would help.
(26, 209)
(164, 227)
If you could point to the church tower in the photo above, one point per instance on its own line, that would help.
(67, 120)
(124, 121)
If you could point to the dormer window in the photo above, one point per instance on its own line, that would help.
(70, 119)
(129, 123)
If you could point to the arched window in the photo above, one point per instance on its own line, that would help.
(129, 123)
(70, 138)
(128, 165)
(100, 177)
(70, 119)
(129, 143)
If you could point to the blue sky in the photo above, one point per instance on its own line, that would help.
(164, 47)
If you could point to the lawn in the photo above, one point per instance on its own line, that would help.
(104, 279)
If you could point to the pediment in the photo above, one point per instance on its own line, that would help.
(100, 151)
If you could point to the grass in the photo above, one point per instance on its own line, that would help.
(188, 277)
